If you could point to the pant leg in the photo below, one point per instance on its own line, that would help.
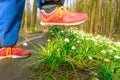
(11, 12)
(40, 2)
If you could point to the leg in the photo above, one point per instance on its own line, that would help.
(40, 3)
(10, 20)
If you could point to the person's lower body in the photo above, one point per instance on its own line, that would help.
(10, 20)
(11, 16)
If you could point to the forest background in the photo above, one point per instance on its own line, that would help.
(103, 17)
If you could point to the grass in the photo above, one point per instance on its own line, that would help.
(70, 52)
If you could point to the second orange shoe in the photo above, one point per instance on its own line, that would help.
(61, 16)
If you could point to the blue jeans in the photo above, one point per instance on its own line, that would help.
(11, 12)
(39, 2)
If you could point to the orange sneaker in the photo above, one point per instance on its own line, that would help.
(13, 52)
(60, 16)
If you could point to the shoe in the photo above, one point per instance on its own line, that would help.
(13, 52)
(60, 16)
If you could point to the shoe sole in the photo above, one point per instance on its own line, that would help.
(64, 24)
(13, 56)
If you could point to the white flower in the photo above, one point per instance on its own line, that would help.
(78, 41)
(88, 38)
(77, 36)
(106, 60)
(58, 49)
(98, 36)
(113, 48)
(62, 31)
(25, 44)
(75, 31)
(103, 51)
(67, 40)
(77, 28)
(81, 32)
(118, 43)
(90, 57)
(73, 48)
(96, 43)
(101, 45)
(110, 51)
(48, 40)
(109, 42)
(51, 31)
(90, 34)
(93, 39)
(117, 57)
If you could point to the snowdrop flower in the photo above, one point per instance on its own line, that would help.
(114, 48)
(96, 43)
(118, 43)
(78, 41)
(90, 57)
(106, 60)
(87, 38)
(109, 42)
(104, 38)
(77, 36)
(81, 32)
(110, 51)
(62, 31)
(25, 44)
(73, 48)
(51, 31)
(77, 28)
(101, 45)
(74, 31)
(58, 49)
(90, 34)
(117, 57)
(103, 51)
(93, 39)
(48, 40)
(67, 40)
(98, 36)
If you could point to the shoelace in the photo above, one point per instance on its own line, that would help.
(61, 11)
(9, 51)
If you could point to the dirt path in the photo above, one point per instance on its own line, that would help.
(15, 69)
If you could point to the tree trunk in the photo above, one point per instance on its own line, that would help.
(27, 16)
(33, 17)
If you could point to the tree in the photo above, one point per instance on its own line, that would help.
(27, 16)
(34, 15)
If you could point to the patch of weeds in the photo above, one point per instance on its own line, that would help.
(67, 52)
